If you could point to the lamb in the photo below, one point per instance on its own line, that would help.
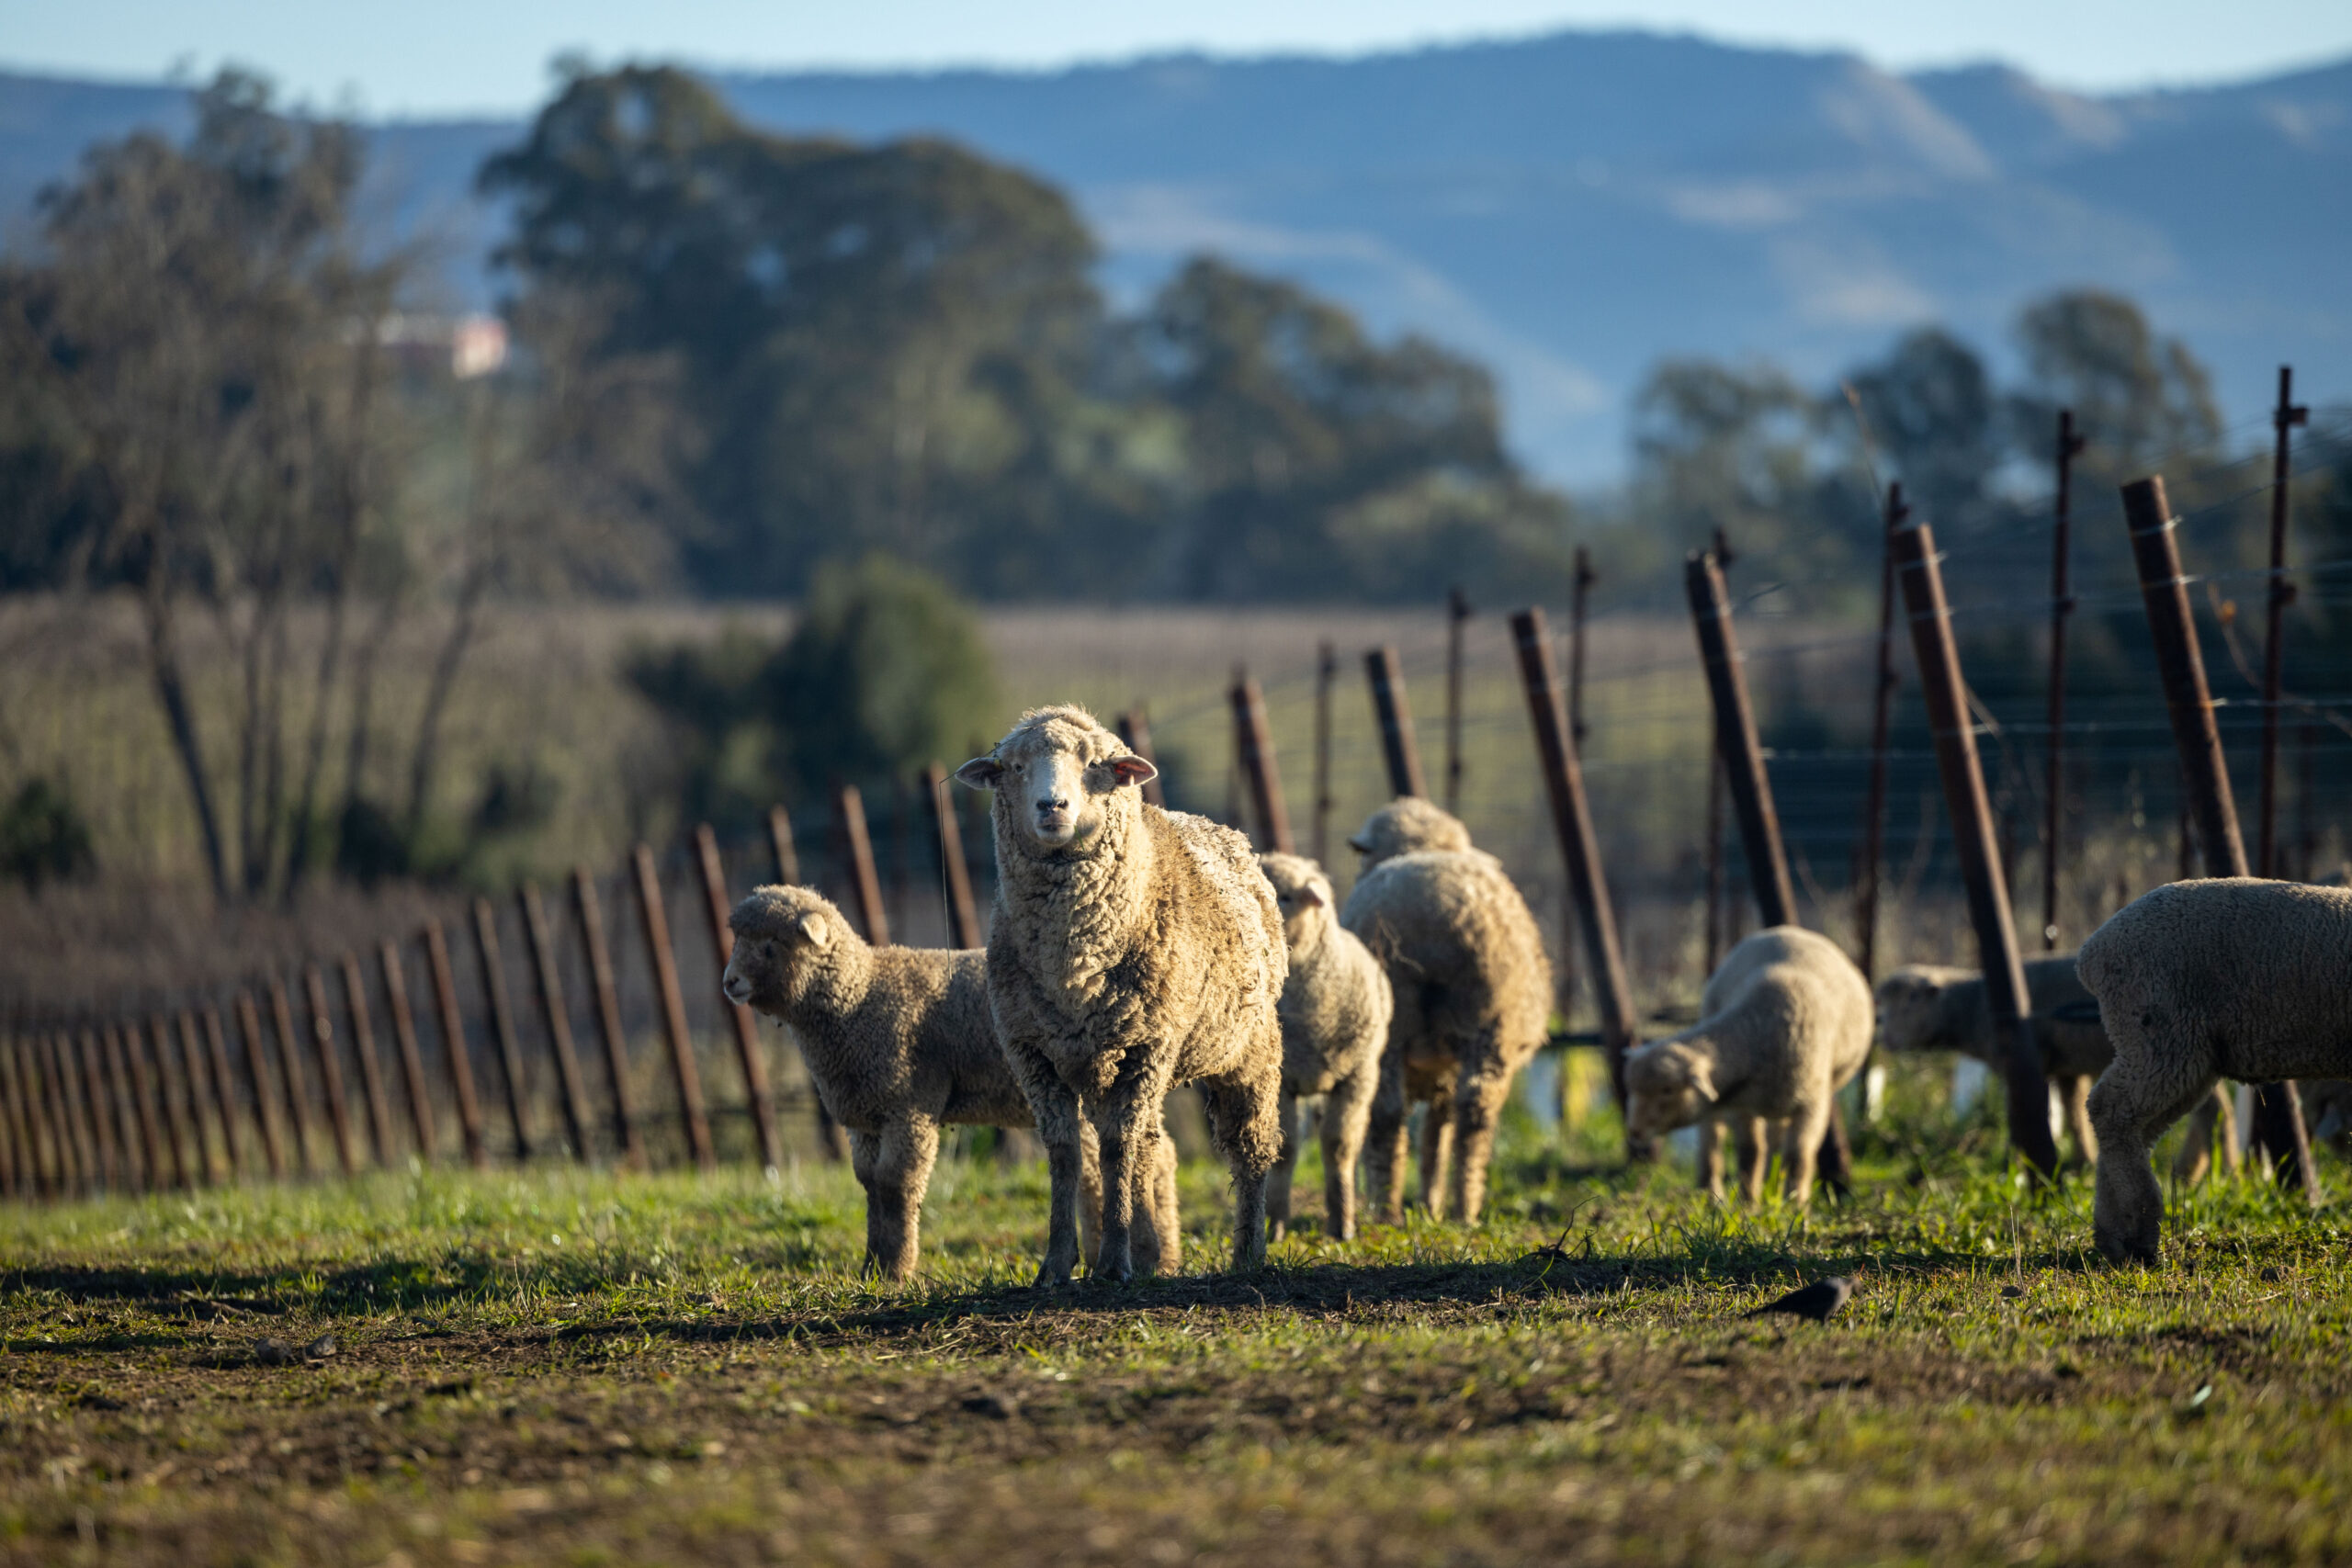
(1473, 990)
(1783, 1023)
(1928, 1007)
(1406, 824)
(898, 1040)
(1132, 949)
(1334, 1012)
(2227, 978)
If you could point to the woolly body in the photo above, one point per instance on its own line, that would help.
(1404, 826)
(1131, 949)
(1334, 1008)
(2231, 977)
(899, 1042)
(1784, 1022)
(1473, 991)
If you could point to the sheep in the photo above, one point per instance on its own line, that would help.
(1406, 824)
(1928, 1007)
(1131, 948)
(898, 1040)
(1334, 1012)
(1783, 1023)
(2197, 981)
(1473, 990)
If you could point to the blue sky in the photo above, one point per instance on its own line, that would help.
(434, 57)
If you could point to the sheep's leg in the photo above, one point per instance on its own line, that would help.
(1058, 1128)
(1278, 1182)
(1122, 1142)
(2076, 1090)
(2213, 1120)
(1383, 1149)
(1346, 1109)
(1090, 1194)
(1711, 1157)
(1241, 1112)
(1801, 1149)
(1478, 1104)
(864, 1162)
(2145, 1090)
(1437, 1142)
(901, 1163)
(1751, 1140)
(1160, 1236)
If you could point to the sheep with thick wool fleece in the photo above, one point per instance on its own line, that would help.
(1407, 825)
(1334, 1008)
(1131, 949)
(2197, 981)
(897, 1043)
(1473, 988)
(1784, 1021)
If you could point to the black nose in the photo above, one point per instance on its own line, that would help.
(1055, 805)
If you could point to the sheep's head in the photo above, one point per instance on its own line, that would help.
(786, 938)
(1405, 824)
(1667, 1084)
(1911, 1014)
(1058, 775)
(1303, 894)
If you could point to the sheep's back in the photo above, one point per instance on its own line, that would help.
(1451, 922)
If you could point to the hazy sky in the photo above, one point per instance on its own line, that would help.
(436, 56)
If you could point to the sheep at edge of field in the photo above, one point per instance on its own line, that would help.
(1930, 1007)
(2197, 981)
(1132, 950)
(899, 1040)
(1334, 1011)
(1783, 1023)
(1404, 826)
(1473, 989)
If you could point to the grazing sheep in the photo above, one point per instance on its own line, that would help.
(1929, 1007)
(1783, 1023)
(898, 1040)
(1131, 949)
(1403, 825)
(2197, 981)
(1334, 1010)
(1473, 992)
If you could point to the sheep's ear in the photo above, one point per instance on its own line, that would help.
(1312, 896)
(1133, 770)
(1703, 1078)
(814, 930)
(1360, 847)
(980, 773)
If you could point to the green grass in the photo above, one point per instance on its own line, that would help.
(573, 1367)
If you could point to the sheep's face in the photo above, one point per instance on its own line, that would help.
(1911, 1011)
(1056, 777)
(1303, 894)
(1404, 826)
(1667, 1084)
(784, 937)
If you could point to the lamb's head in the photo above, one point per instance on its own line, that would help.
(1061, 778)
(787, 941)
(1405, 824)
(1667, 1084)
(1913, 1011)
(1303, 894)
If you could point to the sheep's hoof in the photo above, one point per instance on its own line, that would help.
(2117, 1248)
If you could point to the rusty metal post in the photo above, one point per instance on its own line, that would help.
(1135, 729)
(557, 1018)
(2283, 420)
(371, 1072)
(2062, 605)
(273, 1141)
(1255, 745)
(200, 1117)
(608, 1007)
(502, 1021)
(656, 922)
(1581, 848)
(747, 1030)
(1743, 754)
(314, 986)
(963, 918)
(1387, 674)
(2205, 775)
(453, 1042)
(864, 888)
(1579, 607)
(1326, 676)
(224, 1089)
(1457, 613)
(1866, 878)
(290, 1062)
(420, 1096)
(1972, 827)
(787, 861)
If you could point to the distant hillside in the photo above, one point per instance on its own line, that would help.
(1571, 207)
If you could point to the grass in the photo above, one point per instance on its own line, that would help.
(560, 1366)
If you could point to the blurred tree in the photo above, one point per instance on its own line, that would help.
(1938, 426)
(43, 837)
(2141, 401)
